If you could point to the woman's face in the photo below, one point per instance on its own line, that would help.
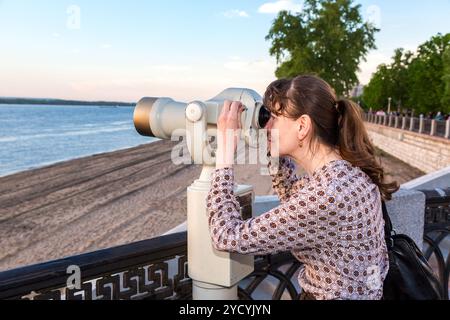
(282, 134)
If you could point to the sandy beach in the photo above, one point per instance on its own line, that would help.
(107, 200)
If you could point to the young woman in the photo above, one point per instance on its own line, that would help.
(330, 218)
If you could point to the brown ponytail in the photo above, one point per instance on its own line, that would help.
(356, 147)
(336, 123)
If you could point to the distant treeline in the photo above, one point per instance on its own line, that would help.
(413, 80)
(63, 102)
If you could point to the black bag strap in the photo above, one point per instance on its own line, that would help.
(387, 226)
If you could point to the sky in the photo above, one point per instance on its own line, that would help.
(188, 50)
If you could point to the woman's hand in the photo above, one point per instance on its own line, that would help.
(228, 133)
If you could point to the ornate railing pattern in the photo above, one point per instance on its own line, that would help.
(157, 268)
(137, 271)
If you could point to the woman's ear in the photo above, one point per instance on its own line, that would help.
(303, 127)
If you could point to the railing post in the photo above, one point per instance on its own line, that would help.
(421, 124)
(403, 122)
(396, 122)
(384, 119)
(447, 128)
(411, 124)
(433, 128)
(390, 120)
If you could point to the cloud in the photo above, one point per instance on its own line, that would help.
(374, 59)
(255, 66)
(106, 46)
(180, 82)
(256, 74)
(169, 68)
(275, 7)
(409, 47)
(230, 14)
(369, 67)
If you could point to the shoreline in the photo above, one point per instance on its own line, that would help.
(62, 161)
(106, 200)
(62, 102)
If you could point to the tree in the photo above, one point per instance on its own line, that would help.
(425, 75)
(446, 79)
(398, 86)
(420, 80)
(390, 81)
(376, 91)
(328, 38)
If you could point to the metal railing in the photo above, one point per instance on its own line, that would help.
(437, 234)
(135, 271)
(157, 268)
(438, 128)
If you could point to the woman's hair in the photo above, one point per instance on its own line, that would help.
(337, 123)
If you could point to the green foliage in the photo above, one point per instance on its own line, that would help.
(419, 81)
(376, 91)
(446, 79)
(390, 81)
(425, 75)
(328, 38)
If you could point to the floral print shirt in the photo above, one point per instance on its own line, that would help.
(331, 221)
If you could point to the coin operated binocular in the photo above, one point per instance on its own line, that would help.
(215, 274)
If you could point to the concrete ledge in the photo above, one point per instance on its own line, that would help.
(265, 203)
(407, 213)
(180, 228)
(439, 179)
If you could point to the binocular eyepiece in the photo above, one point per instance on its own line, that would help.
(160, 117)
(263, 116)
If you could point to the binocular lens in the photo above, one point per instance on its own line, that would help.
(264, 117)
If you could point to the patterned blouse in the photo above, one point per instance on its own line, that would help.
(331, 221)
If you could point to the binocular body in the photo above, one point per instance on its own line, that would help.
(161, 117)
(165, 118)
